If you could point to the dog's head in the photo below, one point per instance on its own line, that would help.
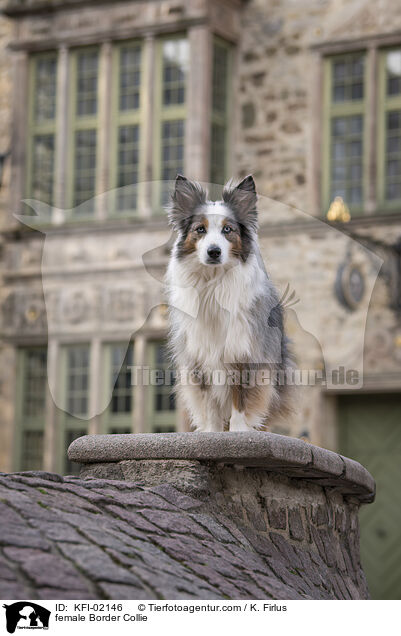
(218, 232)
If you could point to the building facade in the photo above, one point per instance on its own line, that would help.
(100, 105)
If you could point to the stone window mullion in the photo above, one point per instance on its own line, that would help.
(148, 123)
(104, 125)
(371, 127)
(62, 133)
(197, 140)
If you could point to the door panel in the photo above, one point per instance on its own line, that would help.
(370, 432)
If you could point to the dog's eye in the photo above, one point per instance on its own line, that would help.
(201, 229)
(227, 229)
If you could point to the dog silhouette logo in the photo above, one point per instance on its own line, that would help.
(26, 615)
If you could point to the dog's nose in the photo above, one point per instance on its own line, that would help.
(214, 252)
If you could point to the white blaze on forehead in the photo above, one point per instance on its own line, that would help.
(219, 211)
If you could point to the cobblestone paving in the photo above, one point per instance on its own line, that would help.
(65, 537)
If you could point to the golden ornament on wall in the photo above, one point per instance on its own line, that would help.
(338, 211)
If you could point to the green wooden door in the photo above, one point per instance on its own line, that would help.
(370, 432)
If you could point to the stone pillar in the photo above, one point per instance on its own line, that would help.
(8, 373)
(139, 391)
(51, 433)
(95, 386)
(197, 139)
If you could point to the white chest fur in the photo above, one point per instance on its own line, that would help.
(212, 326)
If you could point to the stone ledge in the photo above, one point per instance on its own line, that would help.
(274, 453)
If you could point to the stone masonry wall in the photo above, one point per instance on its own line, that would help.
(252, 535)
(277, 75)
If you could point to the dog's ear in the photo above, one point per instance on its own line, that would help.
(187, 196)
(242, 199)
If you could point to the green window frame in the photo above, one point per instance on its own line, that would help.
(30, 407)
(162, 414)
(42, 119)
(220, 111)
(84, 130)
(172, 66)
(75, 396)
(117, 360)
(345, 139)
(128, 141)
(389, 129)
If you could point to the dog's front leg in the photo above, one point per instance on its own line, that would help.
(238, 421)
(250, 406)
(203, 410)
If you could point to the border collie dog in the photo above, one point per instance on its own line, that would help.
(226, 320)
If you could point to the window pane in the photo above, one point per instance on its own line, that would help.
(77, 381)
(172, 148)
(128, 166)
(174, 71)
(163, 396)
(393, 155)
(32, 450)
(347, 158)
(72, 468)
(45, 89)
(121, 359)
(87, 75)
(34, 382)
(172, 153)
(42, 168)
(85, 165)
(218, 153)
(220, 72)
(130, 77)
(393, 68)
(220, 96)
(348, 78)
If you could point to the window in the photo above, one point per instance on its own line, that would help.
(221, 74)
(31, 402)
(127, 116)
(389, 126)
(172, 62)
(42, 127)
(109, 103)
(161, 415)
(344, 140)
(118, 360)
(84, 109)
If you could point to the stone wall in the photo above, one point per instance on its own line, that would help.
(278, 100)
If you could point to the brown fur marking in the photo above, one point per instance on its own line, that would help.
(193, 237)
(233, 237)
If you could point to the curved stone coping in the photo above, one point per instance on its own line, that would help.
(276, 453)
